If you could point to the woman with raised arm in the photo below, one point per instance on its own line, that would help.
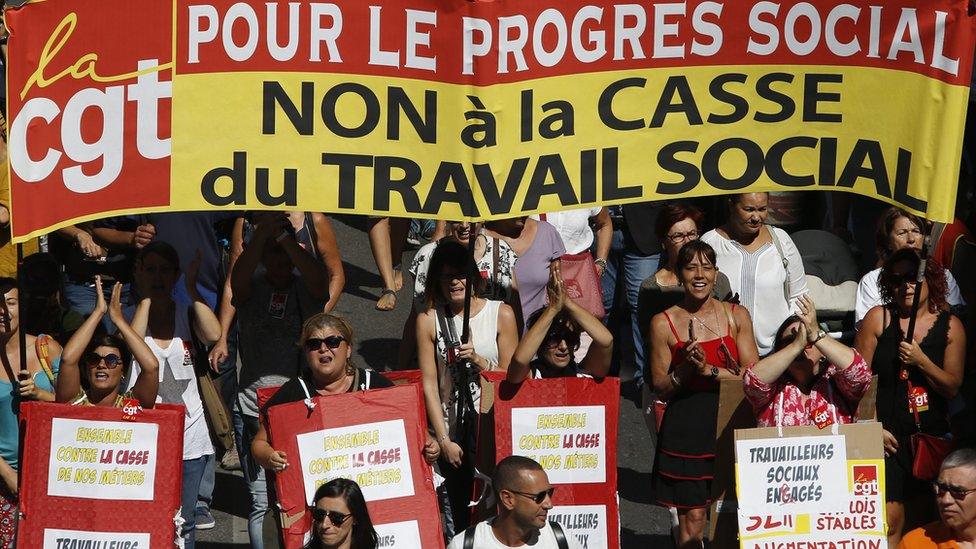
(810, 378)
(106, 358)
(547, 348)
(172, 331)
(694, 345)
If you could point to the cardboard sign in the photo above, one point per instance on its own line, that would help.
(450, 109)
(98, 479)
(374, 437)
(569, 426)
(791, 475)
(855, 520)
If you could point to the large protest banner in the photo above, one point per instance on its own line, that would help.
(100, 477)
(569, 426)
(810, 487)
(458, 109)
(373, 437)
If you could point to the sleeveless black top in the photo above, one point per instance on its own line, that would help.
(894, 411)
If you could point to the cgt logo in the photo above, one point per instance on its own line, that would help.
(866, 480)
(89, 127)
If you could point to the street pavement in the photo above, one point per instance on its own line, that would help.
(377, 337)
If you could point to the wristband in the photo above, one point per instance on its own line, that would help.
(674, 380)
(601, 262)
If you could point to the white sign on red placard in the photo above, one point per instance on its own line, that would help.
(586, 523)
(370, 454)
(72, 539)
(398, 535)
(792, 475)
(568, 441)
(111, 460)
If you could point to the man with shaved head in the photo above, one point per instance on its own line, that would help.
(524, 500)
(955, 495)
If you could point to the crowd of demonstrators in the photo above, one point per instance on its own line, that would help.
(141, 303)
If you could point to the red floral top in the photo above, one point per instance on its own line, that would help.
(837, 392)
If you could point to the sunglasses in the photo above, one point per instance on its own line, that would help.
(315, 343)
(537, 498)
(956, 492)
(112, 360)
(335, 517)
(571, 338)
(903, 278)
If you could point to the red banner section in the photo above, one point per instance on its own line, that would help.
(569, 426)
(92, 91)
(97, 479)
(512, 41)
(373, 437)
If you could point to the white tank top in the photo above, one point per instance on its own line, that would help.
(484, 333)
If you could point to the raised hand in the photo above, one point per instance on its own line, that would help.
(100, 306)
(115, 307)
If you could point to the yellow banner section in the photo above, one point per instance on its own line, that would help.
(352, 143)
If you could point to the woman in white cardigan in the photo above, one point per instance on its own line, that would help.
(762, 263)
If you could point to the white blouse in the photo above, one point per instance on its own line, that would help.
(759, 277)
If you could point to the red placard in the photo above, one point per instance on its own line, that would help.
(568, 425)
(374, 437)
(401, 377)
(91, 476)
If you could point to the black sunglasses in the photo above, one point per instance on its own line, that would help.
(315, 343)
(898, 279)
(537, 498)
(556, 335)
(335, 517)
(112, 360)
(956, 492)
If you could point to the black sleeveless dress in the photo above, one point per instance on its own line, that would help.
(894, 411)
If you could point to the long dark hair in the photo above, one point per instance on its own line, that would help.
(363, 534)
(453, 255)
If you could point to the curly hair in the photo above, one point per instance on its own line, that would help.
(935, 278)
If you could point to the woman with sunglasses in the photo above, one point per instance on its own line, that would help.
(495, 260)
(915, 380)
(553, 336)
(340, 519)
(694, 345)
(174, 331)
(326, 344)
(105, 359)
(897, 230)
(450, 367)
(810, 379)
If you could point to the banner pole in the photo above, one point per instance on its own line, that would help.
(469, 285)
(21, 332)
(928, 245)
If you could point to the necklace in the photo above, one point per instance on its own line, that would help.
(702, 322)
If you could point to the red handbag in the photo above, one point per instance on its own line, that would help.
(582, 282)
(928, 451)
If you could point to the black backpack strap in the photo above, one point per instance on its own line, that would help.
(557, 532)
(469, 537)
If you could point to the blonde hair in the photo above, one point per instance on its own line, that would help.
(322, 321)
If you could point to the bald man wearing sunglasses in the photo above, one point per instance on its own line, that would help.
(524, 500)
(955, 496)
